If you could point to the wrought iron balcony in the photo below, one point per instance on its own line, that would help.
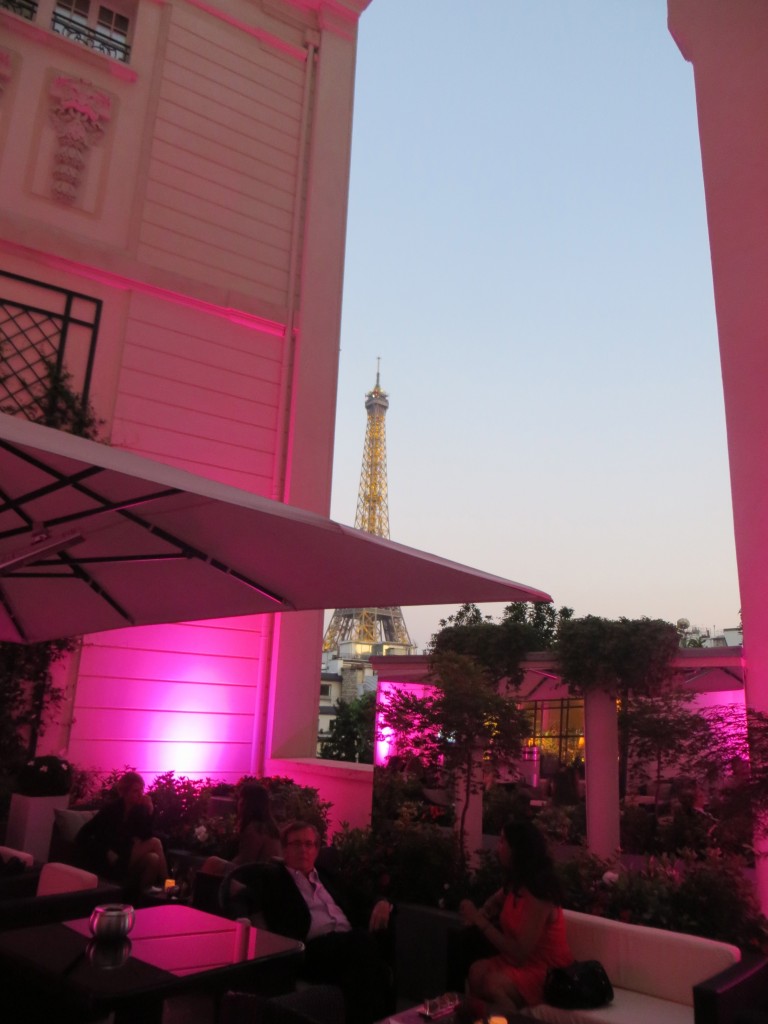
(47, 334)
(24, 8)
(94, 38)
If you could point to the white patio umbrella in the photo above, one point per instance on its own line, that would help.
(94, 538)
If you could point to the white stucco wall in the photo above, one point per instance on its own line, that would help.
(210, 219)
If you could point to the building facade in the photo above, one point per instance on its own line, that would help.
(726, 45)
(173, 193)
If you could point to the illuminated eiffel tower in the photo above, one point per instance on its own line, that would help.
(366, 631)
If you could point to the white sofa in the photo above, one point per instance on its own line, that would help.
(653, 972)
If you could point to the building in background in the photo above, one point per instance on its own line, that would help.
(173, 195)
(695, 636)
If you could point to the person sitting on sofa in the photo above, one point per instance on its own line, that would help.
(344, 945)
(258, 837)
(118, 842)
(522, 924)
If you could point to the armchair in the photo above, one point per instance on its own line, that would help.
(737, 995)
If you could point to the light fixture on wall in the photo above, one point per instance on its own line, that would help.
(43, 544)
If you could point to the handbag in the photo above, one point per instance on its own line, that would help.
(583, 985)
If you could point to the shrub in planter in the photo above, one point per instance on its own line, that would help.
(563, 824)
(501, 805)
(412, 862)
(291, 802)
(707, 896)
(185, 820)
(180, 804)
(638, 830)
(45, 776)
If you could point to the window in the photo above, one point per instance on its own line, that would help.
(101, 28)
(24, 8)
(112, 25)
(325, 689)
(557, 729)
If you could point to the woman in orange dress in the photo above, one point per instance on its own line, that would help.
(523, 921)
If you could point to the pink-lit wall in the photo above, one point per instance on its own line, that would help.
(210, 218)
(170, 698)
(727, 45)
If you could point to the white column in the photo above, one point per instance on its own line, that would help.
(726, 43)
(601, 743)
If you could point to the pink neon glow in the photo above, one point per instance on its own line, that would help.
(169, 698)
(249, 320)
(384, 741)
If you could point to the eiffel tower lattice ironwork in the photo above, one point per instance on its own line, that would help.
(371, 625)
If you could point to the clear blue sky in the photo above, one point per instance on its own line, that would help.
(527, 252)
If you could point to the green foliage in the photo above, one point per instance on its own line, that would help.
(45, 776)
(535, 625)
(543, 619)
(498, 648)
(404, 861)
(501, 804)
(564, 823)
(398, 796)
(352, 731)
(27, 694)
(461, 726)
(27, 697)
(638, 830)
(486, 878)
(664, 729)
(707, 896)
(291, 802)
(55, 403)
(184, 819)
(180, 804)
(617, 656)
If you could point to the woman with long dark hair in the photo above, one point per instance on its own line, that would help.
(258, 837)
(523, 922)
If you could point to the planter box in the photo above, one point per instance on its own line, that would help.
(30, 823)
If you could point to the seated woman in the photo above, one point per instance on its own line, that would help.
(529, 936)
(258, 840)
(118, 842)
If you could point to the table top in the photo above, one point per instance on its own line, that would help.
(183, 940)
(414, 1015)
(169, 946)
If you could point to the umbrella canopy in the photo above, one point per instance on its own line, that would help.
(95, 538)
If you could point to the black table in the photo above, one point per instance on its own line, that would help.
(173, 948)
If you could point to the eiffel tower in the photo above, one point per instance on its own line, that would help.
(366, 631)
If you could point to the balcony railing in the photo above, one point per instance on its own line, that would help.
(44, 331)
(24, 8)
(92, 37)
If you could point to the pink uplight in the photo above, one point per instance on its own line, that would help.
(384, 739)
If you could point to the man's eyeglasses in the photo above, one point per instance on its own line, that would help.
(305, 844)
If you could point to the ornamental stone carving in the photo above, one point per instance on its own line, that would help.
(79, 115)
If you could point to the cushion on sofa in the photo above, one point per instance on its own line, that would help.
(60, 878)
(627, 1008)
(650, 961)
(69, 822)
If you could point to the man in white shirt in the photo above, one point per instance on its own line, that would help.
(343, 945)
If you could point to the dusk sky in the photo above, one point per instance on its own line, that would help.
(528, 255)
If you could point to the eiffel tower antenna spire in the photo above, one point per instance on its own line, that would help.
(369, 626)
